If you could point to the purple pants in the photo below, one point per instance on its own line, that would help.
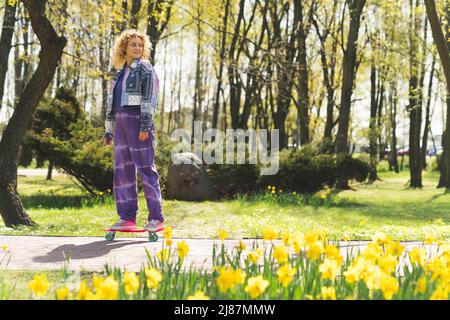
(129, 154)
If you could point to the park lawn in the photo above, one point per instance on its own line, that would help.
(388, 206)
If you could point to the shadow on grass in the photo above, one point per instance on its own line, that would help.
(61, 201)
(84, 251)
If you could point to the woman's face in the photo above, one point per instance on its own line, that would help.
(134, 48)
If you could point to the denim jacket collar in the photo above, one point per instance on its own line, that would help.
(133, 64)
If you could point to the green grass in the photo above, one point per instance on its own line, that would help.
(60, 208)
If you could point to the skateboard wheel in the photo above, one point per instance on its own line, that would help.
(152, 237)
(110, 236)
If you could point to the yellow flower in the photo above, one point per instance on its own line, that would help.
(395, 248)
(298, 243)
(313, 237)
(381, 239)
(241, 246)
(163, 255)
(286, 238)
(309, 297)
(273, 191)
(63, 294)
(387, 263)
(167, 232)
(84, 293)
(228, 278)
(315, 250)
(417, 255)
(169, 241)
(332, 252)
(328, 293)
(372, 252)
(421, 285)
(39, 285)
(429, 240)
(441, 293)
(101, 193)
(269, 187)
(222, 234)
(329, 269)
(254, 255)
(153, 277)
(269, 234)
(389, 287)
(106, 289)
(4, 248)
(183, 249)
(131, 282)
(374, 277)
(286, 274)
(199, 295)
(256, 286)
(280, 253)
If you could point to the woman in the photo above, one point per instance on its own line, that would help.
(131, 106)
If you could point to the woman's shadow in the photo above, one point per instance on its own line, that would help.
(84, 251)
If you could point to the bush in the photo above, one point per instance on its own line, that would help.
(306, 170)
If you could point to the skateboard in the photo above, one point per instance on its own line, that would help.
(111, 234)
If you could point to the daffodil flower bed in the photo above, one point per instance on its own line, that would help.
(298, 267)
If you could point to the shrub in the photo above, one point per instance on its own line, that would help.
(306, 170)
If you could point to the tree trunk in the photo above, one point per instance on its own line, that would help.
(9, 20)
(441, 44)
(157, 22)
(221, 63)
(135, 7)
(342, 143)
(426, 128)
(414, 107)
(393, 121)
(372, 126)
(50, 170)
(11, 208)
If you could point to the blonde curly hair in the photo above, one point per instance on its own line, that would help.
(120, 46)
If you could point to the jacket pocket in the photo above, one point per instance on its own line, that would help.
(132, 83)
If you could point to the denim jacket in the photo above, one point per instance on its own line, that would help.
(142, 86)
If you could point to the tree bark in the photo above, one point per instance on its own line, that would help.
(52, 45)
(414, 108)
(349, 61)
(5, 44)
(441, 44)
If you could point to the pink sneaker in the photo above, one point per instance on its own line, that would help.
(154, 226)
(123, 225)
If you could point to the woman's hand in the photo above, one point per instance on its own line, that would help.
(143, 136)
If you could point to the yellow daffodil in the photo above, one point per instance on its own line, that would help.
(168, 232)
(417, 255)
(286, 238)
(84, 293)
(285, 274)
(163, 255)
(228, 278)
(153, 277)
(331, 252)
(241, 246)
(269, 234)
(381, 239)
(169, 241)
(280, 253)
(106, 289)
(329, 269)
(298, 243)
(131, 282)
(222, 234)
(441, 293)
(387, 263)
(315, 250)
(255, 255)
(39, 285)
(395, 248)
(4, 247)
(63, 294)
(389, 287)
(256, 286)
(421, 285)
(199, 295)
(429, 240)
(328, 293)
(182, 249)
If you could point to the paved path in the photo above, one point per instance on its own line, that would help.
(92, 253)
